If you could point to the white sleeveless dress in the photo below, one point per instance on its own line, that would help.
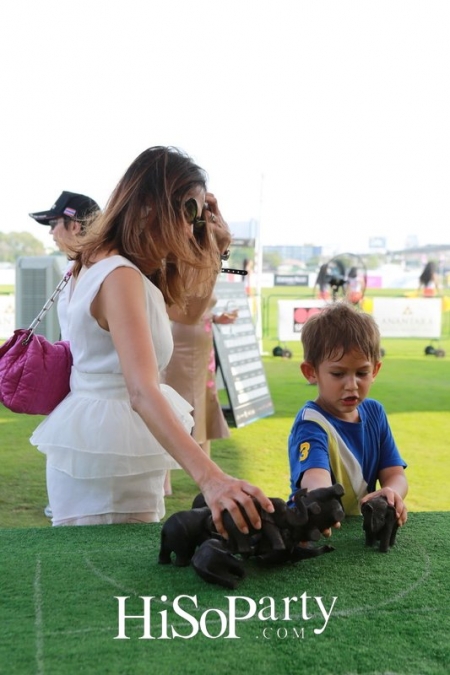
(101, 457)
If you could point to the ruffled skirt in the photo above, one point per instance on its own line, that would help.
(101, 457)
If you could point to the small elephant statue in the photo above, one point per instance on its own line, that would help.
(271, 532)
(199, 501)
(282, 538)
(330, 509)
(293, 554)
(275, 533)
(310, 513)
(214, 563)
(379, 523)
(291, 522)
(182, 533)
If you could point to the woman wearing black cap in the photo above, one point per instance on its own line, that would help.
(68, 218)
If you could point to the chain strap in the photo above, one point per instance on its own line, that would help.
(35, 323)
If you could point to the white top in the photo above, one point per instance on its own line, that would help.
(93, 432)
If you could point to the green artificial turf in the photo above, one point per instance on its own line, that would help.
(60, 613)
(57, 585)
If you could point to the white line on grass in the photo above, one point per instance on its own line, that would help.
(109, 580)
(394, 598)
(38, 621)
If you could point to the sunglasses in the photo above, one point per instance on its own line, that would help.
(191, 215)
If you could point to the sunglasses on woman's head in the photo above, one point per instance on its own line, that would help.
(191, 215)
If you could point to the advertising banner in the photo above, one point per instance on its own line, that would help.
(293, 314)
(408, 317)
(291, 279)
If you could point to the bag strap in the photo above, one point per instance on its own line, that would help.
(34, 324)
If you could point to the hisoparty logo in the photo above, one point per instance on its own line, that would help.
(184, 619)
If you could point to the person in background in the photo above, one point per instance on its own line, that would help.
(343, 436)
(249, 267)
(68, 220)
(110, 442)
(355, 287)
(428, 280)
(322, 286)
(192, 371)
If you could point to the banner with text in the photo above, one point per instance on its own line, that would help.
(408, 317)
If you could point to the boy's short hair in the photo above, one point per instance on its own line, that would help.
(338, 329)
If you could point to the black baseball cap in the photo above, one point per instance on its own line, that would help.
(70, 205)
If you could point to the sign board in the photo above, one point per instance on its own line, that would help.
(293, 314)
(238, 358)
(408, 317)
(291, 279)
(246, 243)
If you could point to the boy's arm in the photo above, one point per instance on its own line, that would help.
(315, 478)
(318, 478)
(394, 486)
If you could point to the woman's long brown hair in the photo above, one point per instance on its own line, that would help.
(144, 217)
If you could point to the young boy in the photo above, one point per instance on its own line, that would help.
(342, 436)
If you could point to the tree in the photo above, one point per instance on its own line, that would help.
(239, 254)
(13, 245)
(271, 261)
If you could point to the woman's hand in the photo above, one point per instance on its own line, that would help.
(226, 318)
(232, 494)
(216, 223)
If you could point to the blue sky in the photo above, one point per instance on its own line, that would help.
(326, 121)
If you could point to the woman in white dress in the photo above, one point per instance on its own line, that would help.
(112, 439)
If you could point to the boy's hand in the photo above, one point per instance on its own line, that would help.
(328, 532)
(393, 499)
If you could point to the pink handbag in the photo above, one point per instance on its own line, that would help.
(35, 373)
